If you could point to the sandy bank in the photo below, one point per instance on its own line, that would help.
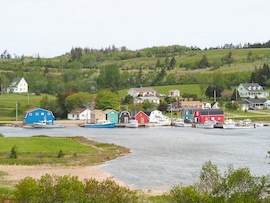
(18, 172)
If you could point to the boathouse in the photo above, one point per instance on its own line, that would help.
(36, 115)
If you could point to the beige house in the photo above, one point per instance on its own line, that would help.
(144, 92)
(192, 104)
(174, 93)
(97, 115)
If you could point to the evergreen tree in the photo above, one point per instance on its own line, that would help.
(172, 63)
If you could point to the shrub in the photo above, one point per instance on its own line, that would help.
(236, 185)
(69, 189)
(60, 154)
(13, 153)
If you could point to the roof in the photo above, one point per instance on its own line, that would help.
(253, 87)
(184, 103)
(109, 110)
(143, 89)
(149, 98)
(78, 111)
(206, 111)
(135, 112)
(251, 101)
(96, 111)
(34, 109)
(15, 82)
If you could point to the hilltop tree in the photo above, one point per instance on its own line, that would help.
(203, 63)
(76, 53)
(109, 77)
(107, 99)
(172, 63)
(77, 100)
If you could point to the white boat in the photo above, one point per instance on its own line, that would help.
(44, 124)
(100, 124)
(207, 124)
(165, 121)
(245, 124)
(132, 124)
(229, 124)
(181, 123)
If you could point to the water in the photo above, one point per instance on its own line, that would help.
(163, 157)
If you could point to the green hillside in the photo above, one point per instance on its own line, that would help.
(168, 67)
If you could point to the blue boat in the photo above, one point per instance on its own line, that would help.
(100, 124)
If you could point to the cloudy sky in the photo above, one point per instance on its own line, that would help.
(52, 27)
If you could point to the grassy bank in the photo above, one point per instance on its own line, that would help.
(45, 150)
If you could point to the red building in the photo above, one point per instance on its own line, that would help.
(202, 115)
(140, 116)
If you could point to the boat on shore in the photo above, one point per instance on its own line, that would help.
(100, 124)
(207, 124)
(244, 124)
(132, 124)
(182, 123)
(161, 122)
(44, 124)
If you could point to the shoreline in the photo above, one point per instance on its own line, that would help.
(15, 173)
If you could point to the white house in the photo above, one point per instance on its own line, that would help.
(252, 90)
(18, 85)
(254, 104)
(174, 93)
(80, 114)
(140, 100)
(144, 92)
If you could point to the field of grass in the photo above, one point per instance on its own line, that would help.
(8, 104)
(44, 150)
(189, 88)
(9, 100)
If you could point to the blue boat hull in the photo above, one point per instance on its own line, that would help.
(107, 125)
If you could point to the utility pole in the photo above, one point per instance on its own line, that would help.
(16, 111)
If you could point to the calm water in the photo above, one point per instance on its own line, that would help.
(166, 156)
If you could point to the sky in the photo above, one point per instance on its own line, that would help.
(50, 28)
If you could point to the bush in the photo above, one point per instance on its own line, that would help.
(236, 185)
(13, 153)
(69, 189)
(60, 154)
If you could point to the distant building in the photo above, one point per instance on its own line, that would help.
(140, 100)
(253, 104)
(124, 116)
(79, 114)
(252, 90)
(36, 115)
(140, 116)
(144, 92)
(112, 115)
(174, 93)
(18, 85)
(97, 115)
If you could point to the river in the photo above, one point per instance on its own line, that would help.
(162, 157)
